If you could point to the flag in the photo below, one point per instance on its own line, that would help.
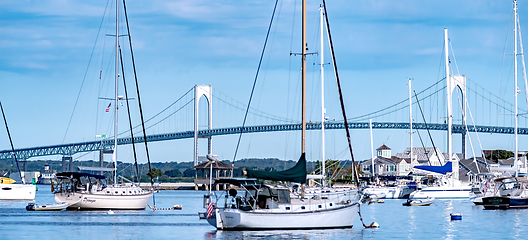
(108, 108)
(210, 209)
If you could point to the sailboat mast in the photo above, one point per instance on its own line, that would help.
(114, 155)
(515, 77)
(449, 97)
(323, 110)
(303, 69)
(410, 122)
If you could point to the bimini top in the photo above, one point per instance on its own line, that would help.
(78, 175)
(520, 179)
(295, 174)
(448, 167)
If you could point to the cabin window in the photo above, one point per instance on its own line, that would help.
(303, 207)
(284, 196)
(331, 204)
(107, 191)
(287, 208)
(320, 206)
(116, 192)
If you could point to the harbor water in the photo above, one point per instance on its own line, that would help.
(396, 222)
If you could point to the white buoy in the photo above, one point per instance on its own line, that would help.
(177, 207)
(374, 225)
(110, 211)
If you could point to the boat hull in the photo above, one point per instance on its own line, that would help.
(95, 201)
(504, 202)
(236, 219)
(17, 191)
(461, 192)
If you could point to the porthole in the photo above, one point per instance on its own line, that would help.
(320, 206)
(287, 208)
(302, 207)
(331, 204)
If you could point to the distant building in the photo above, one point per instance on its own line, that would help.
(29, 177)
(47, 176)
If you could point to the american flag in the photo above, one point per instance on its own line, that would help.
(210, 209)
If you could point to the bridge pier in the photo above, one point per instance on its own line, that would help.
(69, 167)
(207, 92)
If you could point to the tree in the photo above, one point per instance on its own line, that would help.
(173, 173)
(189, 172)
(155, 173)
(501, 154)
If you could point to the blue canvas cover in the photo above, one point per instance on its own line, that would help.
(448, 167)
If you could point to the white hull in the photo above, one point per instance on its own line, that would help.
(444, 192)
(17, 191)
(383, 192)
(124, 199)
(269, 219)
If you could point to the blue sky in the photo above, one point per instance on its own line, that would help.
(45, 48)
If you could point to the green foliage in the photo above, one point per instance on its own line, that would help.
(500, 154)
(173, 173)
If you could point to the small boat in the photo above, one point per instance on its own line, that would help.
(419, 202)
(47, 207)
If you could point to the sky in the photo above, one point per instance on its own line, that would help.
(49, 66)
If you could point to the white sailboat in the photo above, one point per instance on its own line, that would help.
(448, 186)
(267, 206)
(8, 189)
(88, 191)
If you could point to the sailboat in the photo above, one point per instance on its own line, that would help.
(510, 192)
(89, 191)
(9, 190)
(278, 206)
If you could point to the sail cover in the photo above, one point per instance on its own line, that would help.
(295, 174)
(437, 169)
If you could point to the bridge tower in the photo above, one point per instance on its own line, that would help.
(453, 82)
(207, 92)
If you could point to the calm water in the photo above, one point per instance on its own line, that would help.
(396, 221)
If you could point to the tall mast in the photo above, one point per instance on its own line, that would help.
(371, 149)
(323, 110)
(410, 122)
(303, 69)
(449, 97)
(515, 77)
(114, 155)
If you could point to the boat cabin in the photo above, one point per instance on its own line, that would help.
(75, 181)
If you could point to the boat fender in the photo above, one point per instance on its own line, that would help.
(52, 187)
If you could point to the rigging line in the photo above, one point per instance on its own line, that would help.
(522, 60)
(434, 147)
(12, 147)
(84, 78)
(340, 94)
(423, 146)
(467, 130)
(255, 81)
(454, 58)
(139, 102)
(129, 117)
(403, 101)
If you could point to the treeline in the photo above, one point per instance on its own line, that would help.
(163, 171)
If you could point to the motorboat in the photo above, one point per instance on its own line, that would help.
(419, 202)
(509, 192)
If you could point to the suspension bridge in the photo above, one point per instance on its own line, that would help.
(493, 119)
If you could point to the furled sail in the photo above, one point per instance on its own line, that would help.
(295, 174)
